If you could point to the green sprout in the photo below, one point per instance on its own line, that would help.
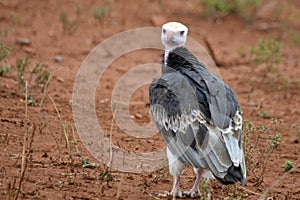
(99, 11)
(267, 52)
(288, 165)
(86, 164)
(265, 115)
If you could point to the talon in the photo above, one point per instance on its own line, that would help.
(193, 194)
(164, 194)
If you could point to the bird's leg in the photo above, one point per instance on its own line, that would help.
(175, 168)
(194, 192)
(176, 191)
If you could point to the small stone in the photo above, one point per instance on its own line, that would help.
(24, 41)
(58, 58)
(60, 79)
(138, 116)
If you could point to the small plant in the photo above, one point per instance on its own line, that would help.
(274, 141)
(105, 175)
(99, 11)
(295, 38)
(15, 20)
(286, 84)
(248, 129)
(220, 8)
(5, 70)
(68, 25)
(21, 64)
(242, 52)
(267, 52)
(86, 164)
(31, 102)
(3, 33)
(296, 126)
(234, 193)
(205, 189)
(256, 157)
(4, 53)
(245, 9)
(41, 74)
(297, 84)
(265, 115)
(288, 165)
(78, 12)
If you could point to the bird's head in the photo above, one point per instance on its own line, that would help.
(173, 35)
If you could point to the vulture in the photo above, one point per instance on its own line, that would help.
(198, 116)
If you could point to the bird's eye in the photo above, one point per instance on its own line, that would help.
(181, 32)
(164, 30)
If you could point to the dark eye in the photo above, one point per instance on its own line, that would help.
(164, 30)
(181, 32)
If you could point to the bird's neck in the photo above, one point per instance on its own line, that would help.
(165, 68)
(168, 49)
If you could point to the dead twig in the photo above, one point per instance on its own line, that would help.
(54, 106)
(59, 116)
(23, 163)
(110, 138)
(247, 190)
(65, 131)
(45, 91)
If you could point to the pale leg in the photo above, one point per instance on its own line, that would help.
(175, 168)
(194, 192)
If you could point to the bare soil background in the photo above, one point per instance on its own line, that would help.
(54, 153)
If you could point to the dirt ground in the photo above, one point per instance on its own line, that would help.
(53, 151)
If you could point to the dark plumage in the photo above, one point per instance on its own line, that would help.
(199, 117)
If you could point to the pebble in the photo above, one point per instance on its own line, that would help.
(138, 116)
(24, 41)
(60, 79)
(58, 58)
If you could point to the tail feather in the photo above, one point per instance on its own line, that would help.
(225, 159)
(234, 174)
(232, 145)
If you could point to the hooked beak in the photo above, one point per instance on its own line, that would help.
(170, 36)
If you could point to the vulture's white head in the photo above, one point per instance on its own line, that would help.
(173, 35)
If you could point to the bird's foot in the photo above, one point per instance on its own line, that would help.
(180, 194)
(177, 193)
(191, 194)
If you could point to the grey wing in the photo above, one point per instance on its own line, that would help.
(185, 124)
(226, 118)
(172, 101)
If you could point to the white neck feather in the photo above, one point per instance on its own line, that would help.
(168, 49)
